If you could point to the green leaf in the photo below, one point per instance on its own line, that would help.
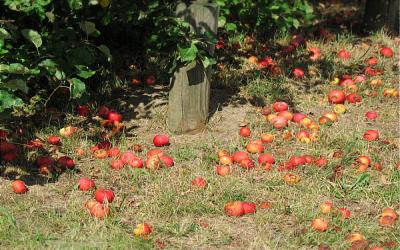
(106, 52)
(89, 28)
(49, 65)
(208, 61)
(188, 54)
(230, 27)
(78, 88)
(14, 68)
(75, 4)
(296, 23)
(84, 71)
(60, 75)
(4, 34)
(221, 21)
(32, 36)
(17, 84)
(8, 100)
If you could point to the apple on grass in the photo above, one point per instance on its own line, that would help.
(19, 187)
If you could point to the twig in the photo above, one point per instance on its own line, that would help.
(7, 21)
(52, 93)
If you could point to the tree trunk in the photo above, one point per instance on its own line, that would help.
(382, 13)
(189, 96)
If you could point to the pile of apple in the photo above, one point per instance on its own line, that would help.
(388, 218)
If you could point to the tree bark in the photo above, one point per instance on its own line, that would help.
(382, 14)
(189, 96)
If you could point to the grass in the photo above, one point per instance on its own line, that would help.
(52, 215)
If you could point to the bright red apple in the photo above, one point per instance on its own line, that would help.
(234, 208)
(337, 96)
(386, 52)
(102, 195)
(19, 187)
(114, 117)
(161, 140)
(244, 132)
(280, 106)
(371, 135)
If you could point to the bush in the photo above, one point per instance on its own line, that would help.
(67, 48)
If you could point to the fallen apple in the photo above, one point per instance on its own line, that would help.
(19, 187)
(85, 184)
(104, 195)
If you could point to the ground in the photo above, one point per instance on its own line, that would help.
(52, 213)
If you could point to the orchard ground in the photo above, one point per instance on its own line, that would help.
(52, 214)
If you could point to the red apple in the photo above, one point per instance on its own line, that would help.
(103, 195)
(337, 96)
(103, 145)
(199, 181)
(19, 187)
(360, 79)
(247, 164)
(319, 225)
(83, 110)
(345, 213)
(315, 54)
(297, 117)
(44, 160)
(167, 161)
(266, 158)
(150, 80)
(298, 73)
(66, 162)
(287, 114)
(161, 140)
(244, 132)
(234, 208)
(267, 138)
(127, 157)
(114, 117)
(280, 106)
(223, 170)
(326, 207)
(226, 160)
(353, 98)
(344, 54)
(365, 160)
(85, 184)
(142, 230)
(254, 148)
(239, 156)
(154, 152)
(321, 162)
(54, 140)
(3, 134)
(372, 61)
(371, 135)
(113, 152)
(386, 52)
(297, 160)
(249, 207)
(153, 162)
(103, 111)
(99, 210)
(135, 163)
(279, 122)
(371, 115)
(117, 164)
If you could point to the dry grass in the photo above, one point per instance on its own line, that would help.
(52, 215)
